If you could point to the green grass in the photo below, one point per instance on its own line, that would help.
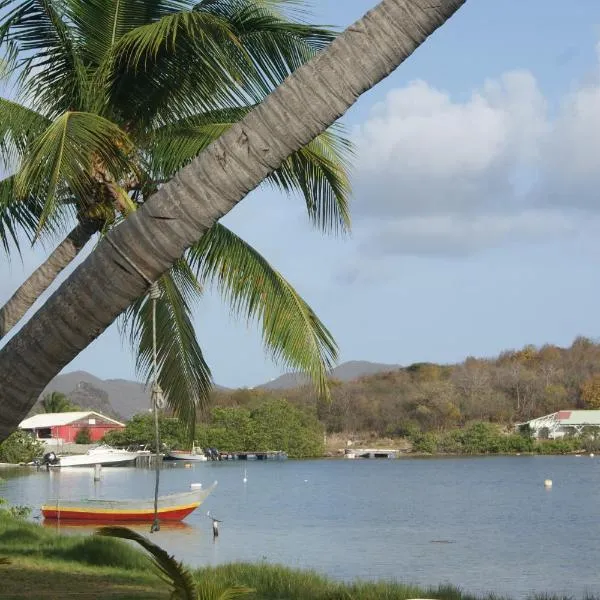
(46, 565)
(19, 538)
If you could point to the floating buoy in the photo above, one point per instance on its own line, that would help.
(548, 483)
(591, 455)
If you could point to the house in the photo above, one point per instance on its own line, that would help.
(558, 424)
(63, 427)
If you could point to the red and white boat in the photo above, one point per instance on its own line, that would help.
(173, 507)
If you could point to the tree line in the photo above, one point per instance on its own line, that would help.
(274, 424)
(514, 387)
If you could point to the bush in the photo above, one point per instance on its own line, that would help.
(83, 436)
(140, 431)
(425, 443)
(20, 447)
(274, 425)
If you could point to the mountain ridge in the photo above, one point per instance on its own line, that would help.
(123, 398)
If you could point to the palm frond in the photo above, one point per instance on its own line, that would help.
(179, 64)
(218, 55)
(17, 216)
(19, 127)
(319, 171)
(102, 23)
(172, 571)
(275, 44)
(49, 67)
(183, 373)
(68, 155)
(211, 590)
(291, 331)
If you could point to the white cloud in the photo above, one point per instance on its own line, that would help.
(440, 176)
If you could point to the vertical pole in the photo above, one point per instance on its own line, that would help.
(157, 400)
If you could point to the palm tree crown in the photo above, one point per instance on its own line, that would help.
(115, 96)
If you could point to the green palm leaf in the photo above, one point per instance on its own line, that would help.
(318, 171)
(69, 156)
(102, 23)
(215, 56)
(19, 126)
(292, 333)
(49, 67)
(16, 216)
(182, 371)
(275, 45)
(171, 571)
(210, 590)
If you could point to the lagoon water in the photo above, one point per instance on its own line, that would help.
(483, 524)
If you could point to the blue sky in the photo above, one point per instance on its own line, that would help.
(475, 216)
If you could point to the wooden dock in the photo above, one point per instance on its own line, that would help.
(371, 453)
(146, 460)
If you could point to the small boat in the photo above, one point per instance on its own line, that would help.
(173, 507)
(196, 454)
(100, 455)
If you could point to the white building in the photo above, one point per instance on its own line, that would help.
(560, 423)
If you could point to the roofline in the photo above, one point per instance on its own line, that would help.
(86, 413)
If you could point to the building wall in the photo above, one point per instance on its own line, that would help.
(69, 432)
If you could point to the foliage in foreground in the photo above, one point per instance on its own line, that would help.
(175, 574)
(20, 447)
(112, 558)
(20, 538)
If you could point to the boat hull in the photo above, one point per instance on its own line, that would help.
(180, 455)
(170, 508)
(175, 514)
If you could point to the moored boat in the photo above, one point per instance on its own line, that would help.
(101, 455)
(173, 507)
(195, 454)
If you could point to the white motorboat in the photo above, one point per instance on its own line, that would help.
(100, 455)
(196, 454)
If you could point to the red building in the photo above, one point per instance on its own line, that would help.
(65, 426)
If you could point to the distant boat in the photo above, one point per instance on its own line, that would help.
(196, 454)
(173, 507)
(100, 455)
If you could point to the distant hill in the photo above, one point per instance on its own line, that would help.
(121, 398)
(116, 397)
(348, 371)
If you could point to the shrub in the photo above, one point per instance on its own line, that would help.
(20, 447)
(83, 436)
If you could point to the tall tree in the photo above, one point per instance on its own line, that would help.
(184, 210)
(56, 402)
(122, 94)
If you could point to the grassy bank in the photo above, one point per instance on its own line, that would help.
(46, 565)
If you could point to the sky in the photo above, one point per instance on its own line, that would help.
(475, 211)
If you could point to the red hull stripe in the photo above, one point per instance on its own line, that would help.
(165, 514)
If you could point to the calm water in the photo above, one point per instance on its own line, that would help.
(379, 519)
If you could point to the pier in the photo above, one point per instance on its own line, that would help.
(267, 455)
(371, 453)
(146, 460)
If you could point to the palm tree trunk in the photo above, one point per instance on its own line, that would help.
(39, 281)
(181, 212)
